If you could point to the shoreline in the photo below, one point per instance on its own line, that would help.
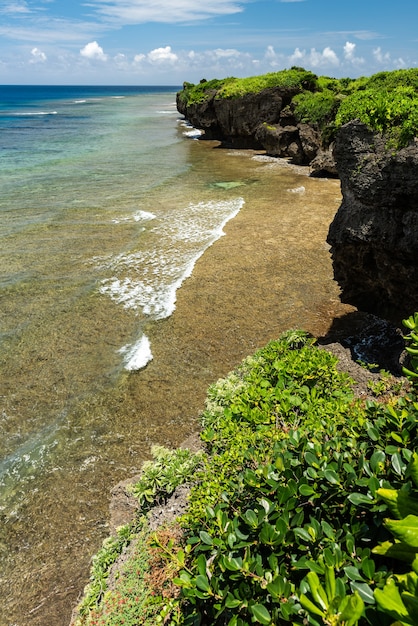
(271, 271)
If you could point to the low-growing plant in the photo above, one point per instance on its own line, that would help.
(286, 534)
(391, 112)
(399, 596)
(164, 473)
(102, 561)
(316, 108)
(411, 323)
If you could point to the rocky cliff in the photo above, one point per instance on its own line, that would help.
(263, 120)
(374, 235)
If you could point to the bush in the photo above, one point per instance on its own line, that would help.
(317, 109)
(285, 516)
(282, 524)
(394, 113)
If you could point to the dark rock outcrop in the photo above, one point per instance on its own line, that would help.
(262, 120)
(374, 235)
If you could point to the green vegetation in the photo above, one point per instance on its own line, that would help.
(295, 79)
(387, 102)
(394, 113)
(290, 514)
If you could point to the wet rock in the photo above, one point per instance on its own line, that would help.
(323, 164)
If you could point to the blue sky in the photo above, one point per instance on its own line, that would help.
(165, 42)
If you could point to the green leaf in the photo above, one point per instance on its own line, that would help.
(311, 459)
(359, 498)
(353, 573)
(261, 614)
(413, 468)
(309, 606)
(206, 538)
(364, 591)
(303, 534)
(397, 463)
(306, 490)
(377, 461)
(351, 610)
(231, 602)
(389, 600)
(405, 530)
(399, 551)
(202, 583)
(201, 564)
(251, 518)
(332, 477)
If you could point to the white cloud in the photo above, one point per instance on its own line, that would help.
(37, 56)
(15, 8)
(162, 55)
(350, 54)
(314, 58)
(167, 11)
(385, 59)
(380, 56)
(92, 50)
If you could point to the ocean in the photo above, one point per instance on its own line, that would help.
(107, 203)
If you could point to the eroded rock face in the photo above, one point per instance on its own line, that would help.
(374, 235)
(262, 120)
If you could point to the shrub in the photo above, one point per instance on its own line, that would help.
(318, 108)
(281, 526)
(394, 112)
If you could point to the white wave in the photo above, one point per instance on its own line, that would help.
(79, 101)
(138, 216)
(195, 133)
(192, 132)
(137, 355)
(143, 215)
(300, 189)
(148, 280)
(31, 113)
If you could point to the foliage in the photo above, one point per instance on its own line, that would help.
(295, 490)
(387, 102)
(299, 497)
(161, 475)
(131, 598)
(399, 597)
(193, 94)
(309, 507)
(102, 561)
(316, 108)
(295, 79)
(392, 112)
(392, 80)
(412, 347)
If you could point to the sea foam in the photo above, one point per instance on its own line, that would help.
(137, 355)
(147, 280)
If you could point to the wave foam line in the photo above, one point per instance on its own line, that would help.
(137, 355)
(154, 288)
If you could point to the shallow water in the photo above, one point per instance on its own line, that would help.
(101, 226)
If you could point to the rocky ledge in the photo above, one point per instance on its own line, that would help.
(263, 120)
(374, 235)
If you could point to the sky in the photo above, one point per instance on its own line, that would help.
(167, 42)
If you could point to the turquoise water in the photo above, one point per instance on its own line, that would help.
(107, 202)
(102, 220)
